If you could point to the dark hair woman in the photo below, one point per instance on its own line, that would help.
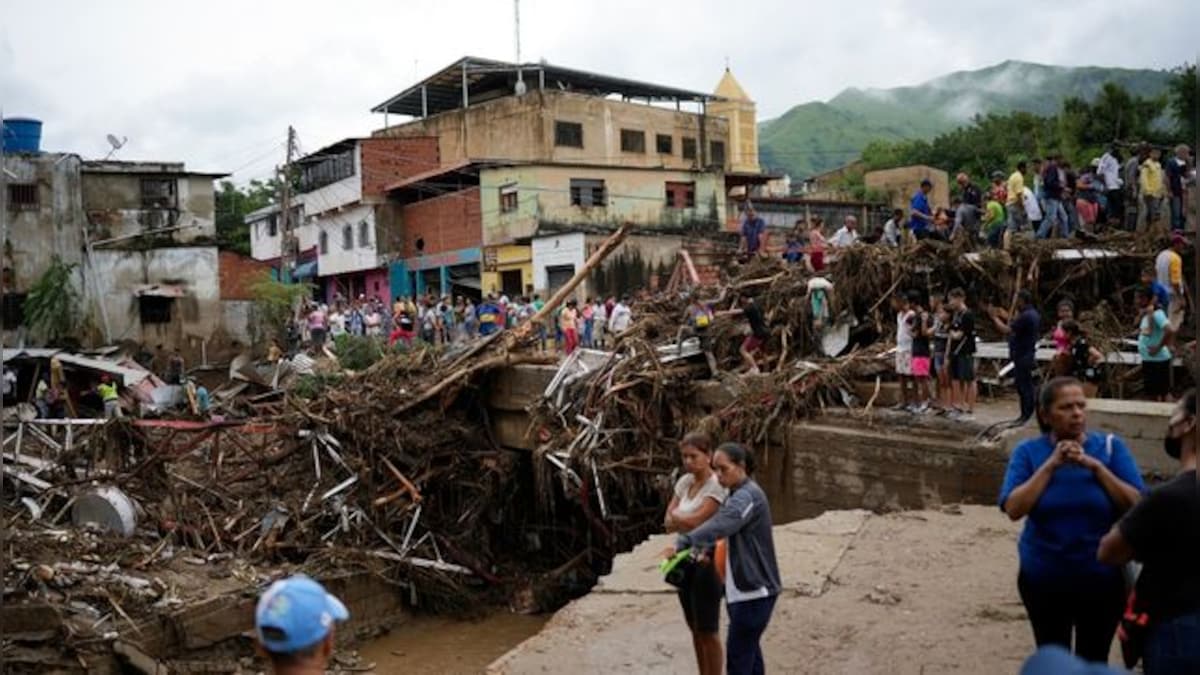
(1073, 485)
(751, 571)
(698, 495)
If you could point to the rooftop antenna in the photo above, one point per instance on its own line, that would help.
(116, 143)
(520, 87)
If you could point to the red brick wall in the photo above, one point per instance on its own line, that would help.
(388, 160)
(238, 274)
(446, 223)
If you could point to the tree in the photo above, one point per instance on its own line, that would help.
(994, 142)
(274, 303)
(233, 204)
(1182, 96)
(52, 306)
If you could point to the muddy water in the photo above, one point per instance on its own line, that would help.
(430, 644)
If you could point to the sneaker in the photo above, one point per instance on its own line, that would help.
(921, 408)
(954, 414)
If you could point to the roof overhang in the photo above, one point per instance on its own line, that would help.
(487, 79)
(439, 181)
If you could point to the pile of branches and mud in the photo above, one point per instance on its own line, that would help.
(395, 470)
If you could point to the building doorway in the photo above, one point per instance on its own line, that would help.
(510, 283)
(557, 276)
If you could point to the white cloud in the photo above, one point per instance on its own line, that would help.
(214, 83)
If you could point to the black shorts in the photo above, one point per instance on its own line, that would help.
(962, 367)
(1156, 377)
(700, 597)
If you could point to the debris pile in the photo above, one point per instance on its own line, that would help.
(395, 470)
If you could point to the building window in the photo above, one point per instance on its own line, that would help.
(568, 134)
(587, 192)
(508, 199)
(364, 234)
(22, 196)
(681, 195)
(158, 193)
(347, 237)
(155, 309)
(317, 173)
(662, 142)
(689, 148)
(717, 151)
(633, 140)
(273, 226)
(14, 310)
(323, 242)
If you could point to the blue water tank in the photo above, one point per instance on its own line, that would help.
(22, 134)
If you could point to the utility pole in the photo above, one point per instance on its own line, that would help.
(287, 239)
(520, 87)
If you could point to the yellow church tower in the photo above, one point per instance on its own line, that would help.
(743, 123)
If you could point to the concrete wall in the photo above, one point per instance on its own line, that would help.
(114, 207)
(54, 227)
(554, 251)
(1141, 424)
(836, 461)
(633, 195)
(337, 259)
(901, 183)
(237, 319)
(522, 128)
(196, 316)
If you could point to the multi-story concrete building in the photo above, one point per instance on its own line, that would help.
(531, 153)
(141, 238)
(342, 216)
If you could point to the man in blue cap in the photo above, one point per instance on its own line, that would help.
(294, 623)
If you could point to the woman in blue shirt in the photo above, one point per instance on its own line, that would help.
(1073, 485)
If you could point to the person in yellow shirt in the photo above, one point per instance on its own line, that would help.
(1015, 189)
(1154, 188)
(1168, 268)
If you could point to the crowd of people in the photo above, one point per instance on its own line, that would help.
(443, 322)
(1043, 198)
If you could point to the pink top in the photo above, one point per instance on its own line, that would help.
(1061, 342)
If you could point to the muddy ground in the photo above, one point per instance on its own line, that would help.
(914, 592)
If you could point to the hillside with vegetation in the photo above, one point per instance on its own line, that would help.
(818, 136)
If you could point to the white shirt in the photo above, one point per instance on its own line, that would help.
(1033, 210)
(621, 318)
(337, 324)
(710, 490)
(891, 233)
(844, 237)
(1110, 171)
(904, 336)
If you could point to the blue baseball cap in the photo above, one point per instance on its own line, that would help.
(1054, 660)
(296, 613)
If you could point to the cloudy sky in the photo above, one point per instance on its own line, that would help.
(216, 83)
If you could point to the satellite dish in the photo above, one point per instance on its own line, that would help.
(116, 143)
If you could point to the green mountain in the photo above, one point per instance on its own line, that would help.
(818, 136)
